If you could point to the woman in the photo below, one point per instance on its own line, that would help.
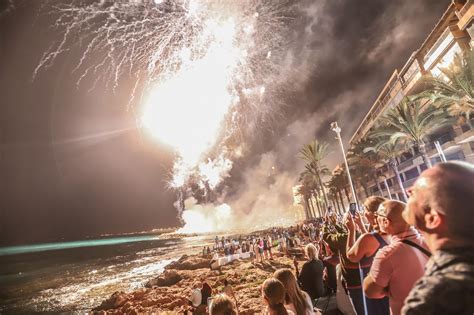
(273, 293)
(363, 249)
(206, 293)
(222, 305)
(311, 275)
(295, 300)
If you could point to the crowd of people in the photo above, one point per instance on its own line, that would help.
(388, 258)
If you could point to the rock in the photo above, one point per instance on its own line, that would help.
(166, 279)
(190, 263)
(139, 293)
(117, 299)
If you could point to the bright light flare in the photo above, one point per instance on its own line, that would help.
(206, 218)
(187, 110)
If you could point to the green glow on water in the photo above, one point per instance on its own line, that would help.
(13, 250)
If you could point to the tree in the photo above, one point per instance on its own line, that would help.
(389, 152)
(410, 123)
(333, 195)
(311, 181)
(305, 193)
(455, 90)
(313, 153)
(363, 164)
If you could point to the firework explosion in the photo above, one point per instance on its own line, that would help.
(202, 70)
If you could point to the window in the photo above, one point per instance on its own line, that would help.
(411, 173)
(443, 138)
(455, 156)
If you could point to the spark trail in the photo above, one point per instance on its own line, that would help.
(202, 70)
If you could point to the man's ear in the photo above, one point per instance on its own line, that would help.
(432, 220)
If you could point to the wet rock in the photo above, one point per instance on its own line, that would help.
(117, 299)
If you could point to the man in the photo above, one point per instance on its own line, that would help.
(397, 266)
(311, 275)
(441, 206)
(335, 235)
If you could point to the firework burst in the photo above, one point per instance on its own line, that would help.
(201, 69)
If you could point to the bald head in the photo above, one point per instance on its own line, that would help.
(390, 218)
(447, 189)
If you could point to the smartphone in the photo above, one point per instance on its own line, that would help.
(353, 208)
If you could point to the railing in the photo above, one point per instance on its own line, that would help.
(464, 9)
(406, 163)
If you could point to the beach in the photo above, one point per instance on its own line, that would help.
(169, 292)
(74, 277)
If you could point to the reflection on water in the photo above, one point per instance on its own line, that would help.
(77, 276)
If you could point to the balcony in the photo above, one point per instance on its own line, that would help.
(406, 164)
(407, 184)
(465, 15)
(410, 74)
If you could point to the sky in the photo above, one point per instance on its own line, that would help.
(74, 165)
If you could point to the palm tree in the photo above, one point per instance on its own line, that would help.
(389, 151)
(313, 153)
(305, 194)
(337, 184)
(364, 164)
(333, 195)
(454, 91)
(410, 123)
(311, 180)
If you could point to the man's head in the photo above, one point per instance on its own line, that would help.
(371, 205)
(389, 217)
(311, 251)
(441, 201)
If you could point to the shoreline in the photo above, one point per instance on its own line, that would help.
(169, 291)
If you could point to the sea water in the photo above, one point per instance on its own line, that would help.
(75, 277)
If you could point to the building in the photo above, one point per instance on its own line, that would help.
(453, 33)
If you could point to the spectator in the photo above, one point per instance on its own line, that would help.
(260, 248)
(227, 290)
(270, 244)
(273, 293)
(296, 300)
(398, 266)
(440, 206)
(206, 293)
(330, 261)
(344, 303)
(311, 276)
(364, 249)
(222, 305)
(335, 235)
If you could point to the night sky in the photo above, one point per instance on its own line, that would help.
(72, 163)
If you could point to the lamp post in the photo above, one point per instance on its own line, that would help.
(337, 130)
(386, 187)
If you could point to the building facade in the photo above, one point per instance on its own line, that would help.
(452, 34)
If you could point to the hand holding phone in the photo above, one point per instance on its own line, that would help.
(353, 208)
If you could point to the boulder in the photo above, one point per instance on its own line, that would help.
(166, 279)
(117, 299)
(190, 263)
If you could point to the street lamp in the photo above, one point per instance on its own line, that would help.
(337, 130)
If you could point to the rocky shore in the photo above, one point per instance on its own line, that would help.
(168, 293)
